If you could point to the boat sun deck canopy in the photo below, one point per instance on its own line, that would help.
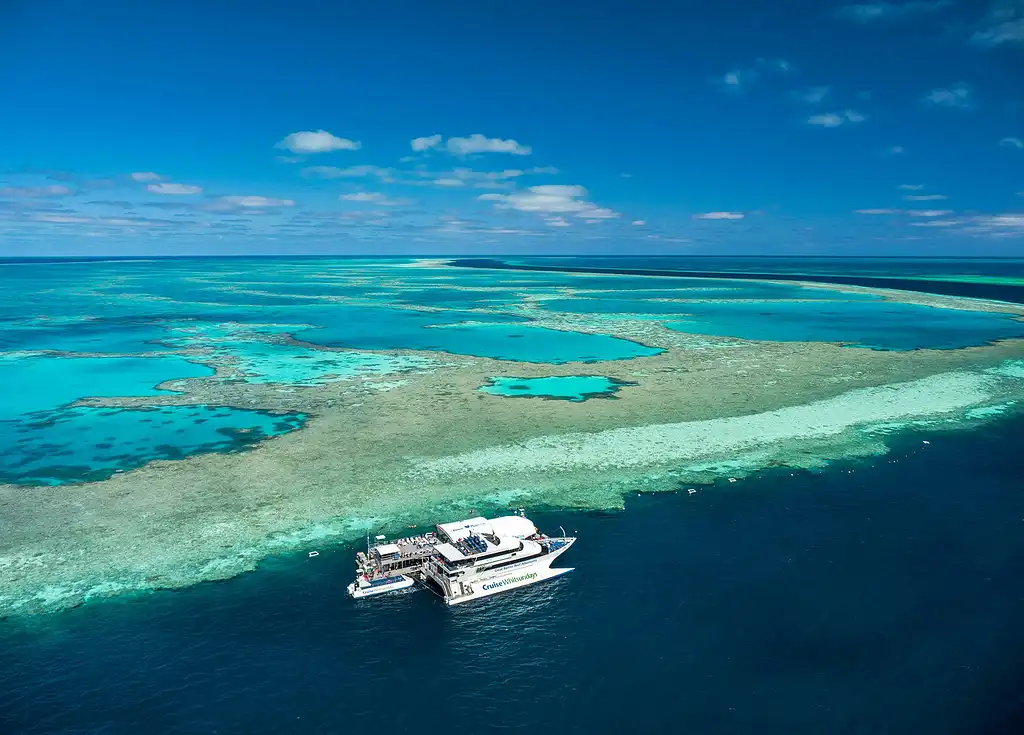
(387, 549)
(505, 527)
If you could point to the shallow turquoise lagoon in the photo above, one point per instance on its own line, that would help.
(41, 383)
(87, 444)
(516, 342)
(575, 388)
(879, 325)
(268, 362)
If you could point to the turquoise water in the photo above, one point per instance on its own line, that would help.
(39, 383)
(519, 343)
(353, 306)
(575, 388)
(87, 444)
(879, 325)
(84, 336)
(266, 362)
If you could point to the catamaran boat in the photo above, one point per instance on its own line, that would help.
(462, 561)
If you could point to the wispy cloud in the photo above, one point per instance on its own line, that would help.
(959, 95)
(911, 187)
(502, 179)
(374, 197)
(316, 141)
(937, 223)
(249, 203)
(835, 119)
(740, 77)
(925, 197)
(477, 143)
(638, 223)
(35, 192)
(929, 212)
(1003, 24)
(813, 95)
(333, 172)
(896, 150)
(175, 189)
(878, 211)
(1012, 143)
(146, 176)
(552, 199)
(719, 215)
(890, 12)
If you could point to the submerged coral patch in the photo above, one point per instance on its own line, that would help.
(87, 444)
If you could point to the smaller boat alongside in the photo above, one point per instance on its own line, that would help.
(462, 561)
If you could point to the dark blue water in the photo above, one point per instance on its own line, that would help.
(880, 596)
(899, 273)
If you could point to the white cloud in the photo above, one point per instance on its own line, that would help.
(929, 212)
(317, 141)
(911, 187)
(256, 202)
(178, 189)
(638, 223)
(719, 215)
(362, 196)
(896, 150)
(813, 95)
(925, 197)
(558, 222)
(937, 223)
(879, 211)
(372, 196)
(835, 119)
(739, 77)
(146, 176)
(1003, 24)
(35, 192)
(482, 179)
(477, 143)
(425, 143)
(1004, 220)
(959, 95)
(1013, 143)
(551, 199)
(333, 172)
(732, 78)
(886, 11)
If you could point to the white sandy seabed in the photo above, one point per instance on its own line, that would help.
(954, 396)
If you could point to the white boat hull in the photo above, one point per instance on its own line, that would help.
(539, 571)
(361, 590)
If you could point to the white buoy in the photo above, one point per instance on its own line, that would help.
(692, 491)
(313, 553)
(926, 442)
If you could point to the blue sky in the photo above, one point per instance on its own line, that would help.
(546, 127)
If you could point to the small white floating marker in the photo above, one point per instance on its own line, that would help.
(732, 479)
(692, 491)
(926, 442)
(313, 553)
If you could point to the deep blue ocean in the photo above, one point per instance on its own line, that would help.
(878, 596)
